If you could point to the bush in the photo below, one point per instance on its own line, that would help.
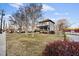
(62, 48)
(52, 32)
(11, 31)
(22, 31)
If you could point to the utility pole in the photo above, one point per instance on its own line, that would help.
(2, 14)
(3, 25)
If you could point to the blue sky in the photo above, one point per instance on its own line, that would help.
(52, 11)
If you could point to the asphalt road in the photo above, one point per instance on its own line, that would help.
(73, 36)
(3, 44)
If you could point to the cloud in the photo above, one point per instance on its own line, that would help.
(16, 5)
(66, 13)
(56, 13)
(61, 14)
(76, 25)
(6, 17)
(47, 8)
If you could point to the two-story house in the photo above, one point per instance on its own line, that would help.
(47, 25)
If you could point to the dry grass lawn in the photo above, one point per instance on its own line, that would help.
(21, 44)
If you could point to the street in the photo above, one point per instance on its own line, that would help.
(73, 36)
(3, 44)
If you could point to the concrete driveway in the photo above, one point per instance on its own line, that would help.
(3, 44)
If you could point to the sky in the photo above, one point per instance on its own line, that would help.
(53, 11)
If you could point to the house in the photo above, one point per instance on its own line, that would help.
(47, 26)
(74, 28)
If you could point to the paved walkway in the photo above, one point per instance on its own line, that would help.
(3, 44)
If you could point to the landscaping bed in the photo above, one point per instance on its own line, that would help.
(62, 48)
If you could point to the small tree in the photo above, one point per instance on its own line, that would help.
(61, 25)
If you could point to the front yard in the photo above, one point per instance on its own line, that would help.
(21, 44)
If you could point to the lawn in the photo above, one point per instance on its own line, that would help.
(21, 44)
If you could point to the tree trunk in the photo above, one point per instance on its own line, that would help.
(64, 35)
(33, 24)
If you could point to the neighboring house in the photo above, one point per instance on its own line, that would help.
(47, 25)
(73, 28)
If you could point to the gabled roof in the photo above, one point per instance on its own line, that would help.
(46, 20)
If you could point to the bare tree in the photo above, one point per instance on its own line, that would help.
(27, 14)
(34, 13)
(18, 19)
(61, 25)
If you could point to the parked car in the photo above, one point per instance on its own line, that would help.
(20, 31)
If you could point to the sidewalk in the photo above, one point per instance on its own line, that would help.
(72, 33)
(3, 44)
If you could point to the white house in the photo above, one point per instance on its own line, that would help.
(47, 25)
